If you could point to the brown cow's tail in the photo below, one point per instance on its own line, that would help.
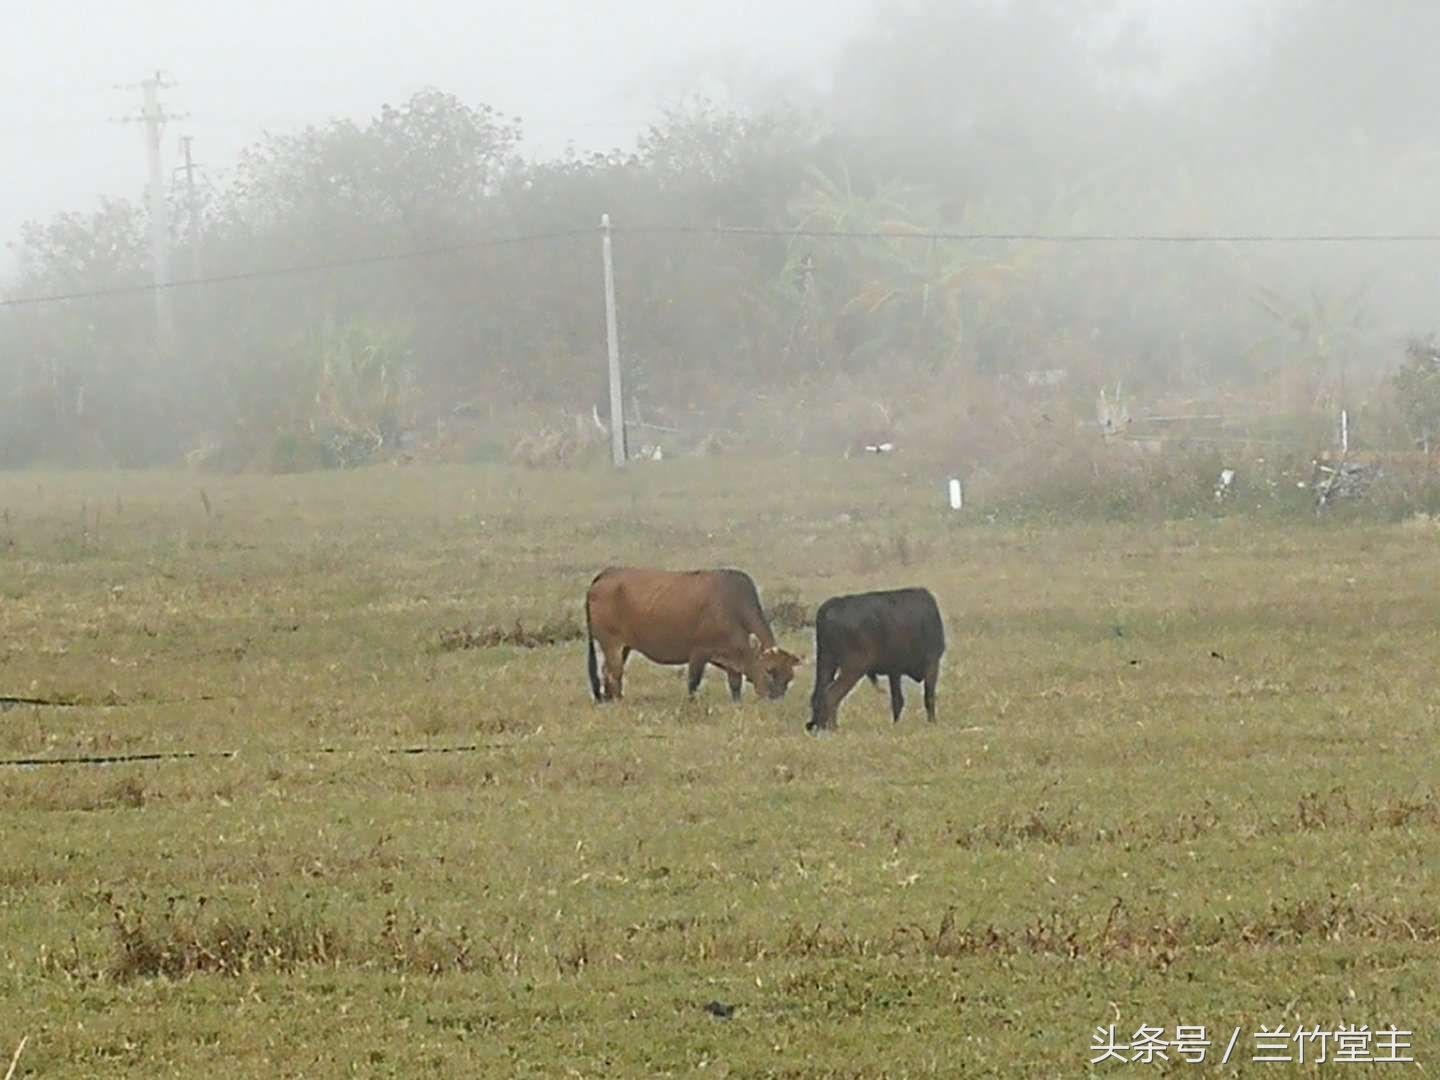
(591, 666)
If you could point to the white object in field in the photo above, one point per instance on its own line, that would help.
(1227, 477)
(1046, 377)
(1112, 413)
(956, 496)
(1344, 431)
(879, 448)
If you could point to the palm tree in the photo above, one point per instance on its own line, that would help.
(899, 275)
(1314, 338)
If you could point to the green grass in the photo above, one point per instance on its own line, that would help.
(1183, 774)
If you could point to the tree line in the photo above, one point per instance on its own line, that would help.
(1037, 117)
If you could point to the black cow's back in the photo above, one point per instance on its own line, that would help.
(886, 632)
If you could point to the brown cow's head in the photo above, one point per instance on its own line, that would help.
(773, 669)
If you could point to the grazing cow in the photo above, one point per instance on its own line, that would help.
(893, 633)
(694, 617)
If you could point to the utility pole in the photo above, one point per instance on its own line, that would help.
(612, 340)
(193, 203)
(154, 116)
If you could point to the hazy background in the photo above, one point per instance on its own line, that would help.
(330, 134)
(574, 72)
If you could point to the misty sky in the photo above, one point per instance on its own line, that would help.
(573, 70)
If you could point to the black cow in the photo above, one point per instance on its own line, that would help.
(893, 633)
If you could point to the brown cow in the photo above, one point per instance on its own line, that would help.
(693, 617)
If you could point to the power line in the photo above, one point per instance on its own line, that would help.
(743, 230)
(1051, 238)
(307, 268)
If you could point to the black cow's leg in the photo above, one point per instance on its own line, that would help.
(897, 699)
(737, 681)
(697, 671)
(836, 691)
(932, 676)
(825, 668)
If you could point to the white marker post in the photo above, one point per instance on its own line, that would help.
(956, 500)
(1222, 487)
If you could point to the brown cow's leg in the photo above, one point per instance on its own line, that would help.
(697, 671)
(932, 676)
(614, 671)
(836, 691)
(737, 681)
(897, 699)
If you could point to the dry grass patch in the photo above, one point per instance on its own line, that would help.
(1202, 748)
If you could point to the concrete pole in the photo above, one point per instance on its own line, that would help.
(159, 215)
(618, 452)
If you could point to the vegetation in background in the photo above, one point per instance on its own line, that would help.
(477, 352)
(1417, 385)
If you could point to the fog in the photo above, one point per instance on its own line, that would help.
(575, 73)
(328, 133)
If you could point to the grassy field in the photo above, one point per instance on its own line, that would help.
(1184, 774)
